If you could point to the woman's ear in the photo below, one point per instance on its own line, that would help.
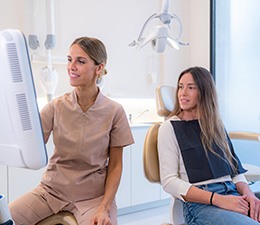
(100, 69)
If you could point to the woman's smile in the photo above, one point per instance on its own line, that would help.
(73, 76)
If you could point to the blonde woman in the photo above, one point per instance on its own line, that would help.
(89, 133)
(197, 161)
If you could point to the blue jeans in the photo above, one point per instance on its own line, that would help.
(202, 214)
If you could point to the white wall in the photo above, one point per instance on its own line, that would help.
(117, 23)
(200, 33)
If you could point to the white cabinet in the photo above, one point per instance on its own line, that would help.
(3, 181)
(123, 196)
(22, 180)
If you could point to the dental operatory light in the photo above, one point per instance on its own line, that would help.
(159, 36)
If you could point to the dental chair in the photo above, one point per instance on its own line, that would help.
(165, 97)
(164, 103)
(61, 218)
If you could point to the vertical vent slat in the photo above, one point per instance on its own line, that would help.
(23, 112)
(14, 63)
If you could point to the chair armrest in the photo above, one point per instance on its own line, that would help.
(253, 173)
(244, 136)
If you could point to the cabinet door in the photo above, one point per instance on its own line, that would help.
(3, 181)
(23, 180)
(142, 190)
(123, 196)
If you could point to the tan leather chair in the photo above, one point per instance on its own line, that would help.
(61, 218)
(165, 96)
(152, 173)
(164, 102)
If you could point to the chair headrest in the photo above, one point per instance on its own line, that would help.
(165, 97)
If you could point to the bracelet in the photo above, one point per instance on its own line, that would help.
(211, 197)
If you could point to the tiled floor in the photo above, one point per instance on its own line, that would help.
(154, 216)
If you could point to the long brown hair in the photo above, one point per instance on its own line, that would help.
(212, 128)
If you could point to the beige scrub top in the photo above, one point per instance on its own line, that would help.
(77, 170)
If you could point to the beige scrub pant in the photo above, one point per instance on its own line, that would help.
(32, 208)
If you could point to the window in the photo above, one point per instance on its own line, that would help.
(235, 60)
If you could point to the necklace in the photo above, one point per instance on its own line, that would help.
(84, 105)
(87, 105)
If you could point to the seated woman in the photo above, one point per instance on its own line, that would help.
(197, 161)
(89, 132)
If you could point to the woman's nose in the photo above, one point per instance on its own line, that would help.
(71, 66)
(184, 91)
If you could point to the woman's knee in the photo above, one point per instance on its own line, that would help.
(29, 209)
(87, 216)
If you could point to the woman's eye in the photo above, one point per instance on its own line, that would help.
(81, 62)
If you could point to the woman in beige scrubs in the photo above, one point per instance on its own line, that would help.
(89, 132)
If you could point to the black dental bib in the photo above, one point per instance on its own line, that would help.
(199, 165)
